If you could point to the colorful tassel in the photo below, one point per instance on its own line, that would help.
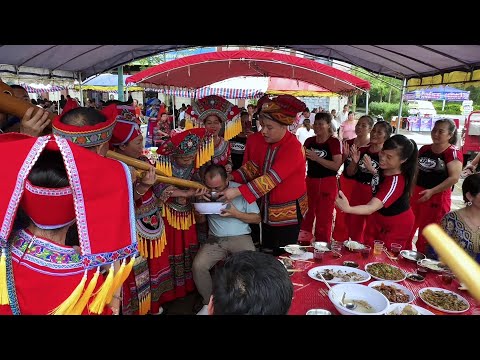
(98, 304)
(72, 300)
(116, 281)
(3, 280)
(87, 294)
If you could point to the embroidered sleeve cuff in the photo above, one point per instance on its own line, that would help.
(247, 193)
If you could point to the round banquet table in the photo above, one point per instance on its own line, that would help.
(308, 292)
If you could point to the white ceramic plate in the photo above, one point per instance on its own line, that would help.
(433, 265)
(337, 268)
(379, 278)
(295, 249)
(396, 309)
(461, 298)
(395, 285)
(305, 256)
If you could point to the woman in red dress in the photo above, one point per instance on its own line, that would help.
(439, 168)
(39, 272)
(362, 129)
(390, 217)
(364, 164)
(324, 156)
(186, 156)
(151, 282)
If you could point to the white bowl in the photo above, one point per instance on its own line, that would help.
(209, 207)
(318, 312)
(405, 290)
(375, 299)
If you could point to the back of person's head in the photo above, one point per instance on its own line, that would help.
(83, 116)
(182, 123)
(251, 283)
(471, 185)
(408, 151)
(48, 172)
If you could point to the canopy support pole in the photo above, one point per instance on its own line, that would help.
(366, 104)
(80, 88)
(400, 108)
(443, 104)
(120, 83)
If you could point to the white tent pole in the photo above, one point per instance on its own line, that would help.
(401, 105)
(81, 94)
(173, 122)
(366, 104)
(443, 104)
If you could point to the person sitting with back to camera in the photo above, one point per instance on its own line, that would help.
(251, 283)
(229, 231)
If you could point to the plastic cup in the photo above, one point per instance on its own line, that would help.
(377, 247)
(447, 277)
(365, 251)
(336, 250)
(318, 255)
(395, 249)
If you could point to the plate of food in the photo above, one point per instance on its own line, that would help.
(433, 265)
(407, 309)
(353, 245)
(444, 300)
(412, 255)
(295, 249)
(383, 271)
(321, 245)
(337, 274)
(394, 292)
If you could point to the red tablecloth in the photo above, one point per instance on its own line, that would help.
(307, 293)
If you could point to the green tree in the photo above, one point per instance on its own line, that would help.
(381, 89)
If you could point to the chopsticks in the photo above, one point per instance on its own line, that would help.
(390, 256)
(297, 284)
(294, 270)
(295, 246)
(286, 257)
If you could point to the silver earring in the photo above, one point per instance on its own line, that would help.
(468, 203)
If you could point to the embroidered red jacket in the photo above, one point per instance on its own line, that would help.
(276, 172)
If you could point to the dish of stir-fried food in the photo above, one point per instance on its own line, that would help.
(443, 300)
(393, 294)
(384, 271)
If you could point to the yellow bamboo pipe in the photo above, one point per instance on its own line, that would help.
(463, 265)
(9, 104)
(161, 177)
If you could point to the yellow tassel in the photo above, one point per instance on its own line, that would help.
(3, 280)
(80, 305)
(71, 301)
(98, 304)
(128, 270)
(151, 249)
(116, 281)
(139, 244)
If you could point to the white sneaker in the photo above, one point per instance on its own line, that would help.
(203, 310)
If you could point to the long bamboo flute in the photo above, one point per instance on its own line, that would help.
(161, 177)
(463, 265)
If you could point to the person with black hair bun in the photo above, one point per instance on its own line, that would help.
(439, 168)
(390, 216)
(463, 225)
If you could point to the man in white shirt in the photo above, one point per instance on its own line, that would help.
(344, 114)
(304, 132)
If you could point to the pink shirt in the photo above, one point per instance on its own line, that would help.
(348, 130)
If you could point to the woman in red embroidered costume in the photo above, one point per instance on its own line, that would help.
(390, 216)
(439, 168)
(324, 157)
(362, 130)
(39, 272)
(275, 172)
(151, 283)
(362, 168)
(216, 113)
(187, 151)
